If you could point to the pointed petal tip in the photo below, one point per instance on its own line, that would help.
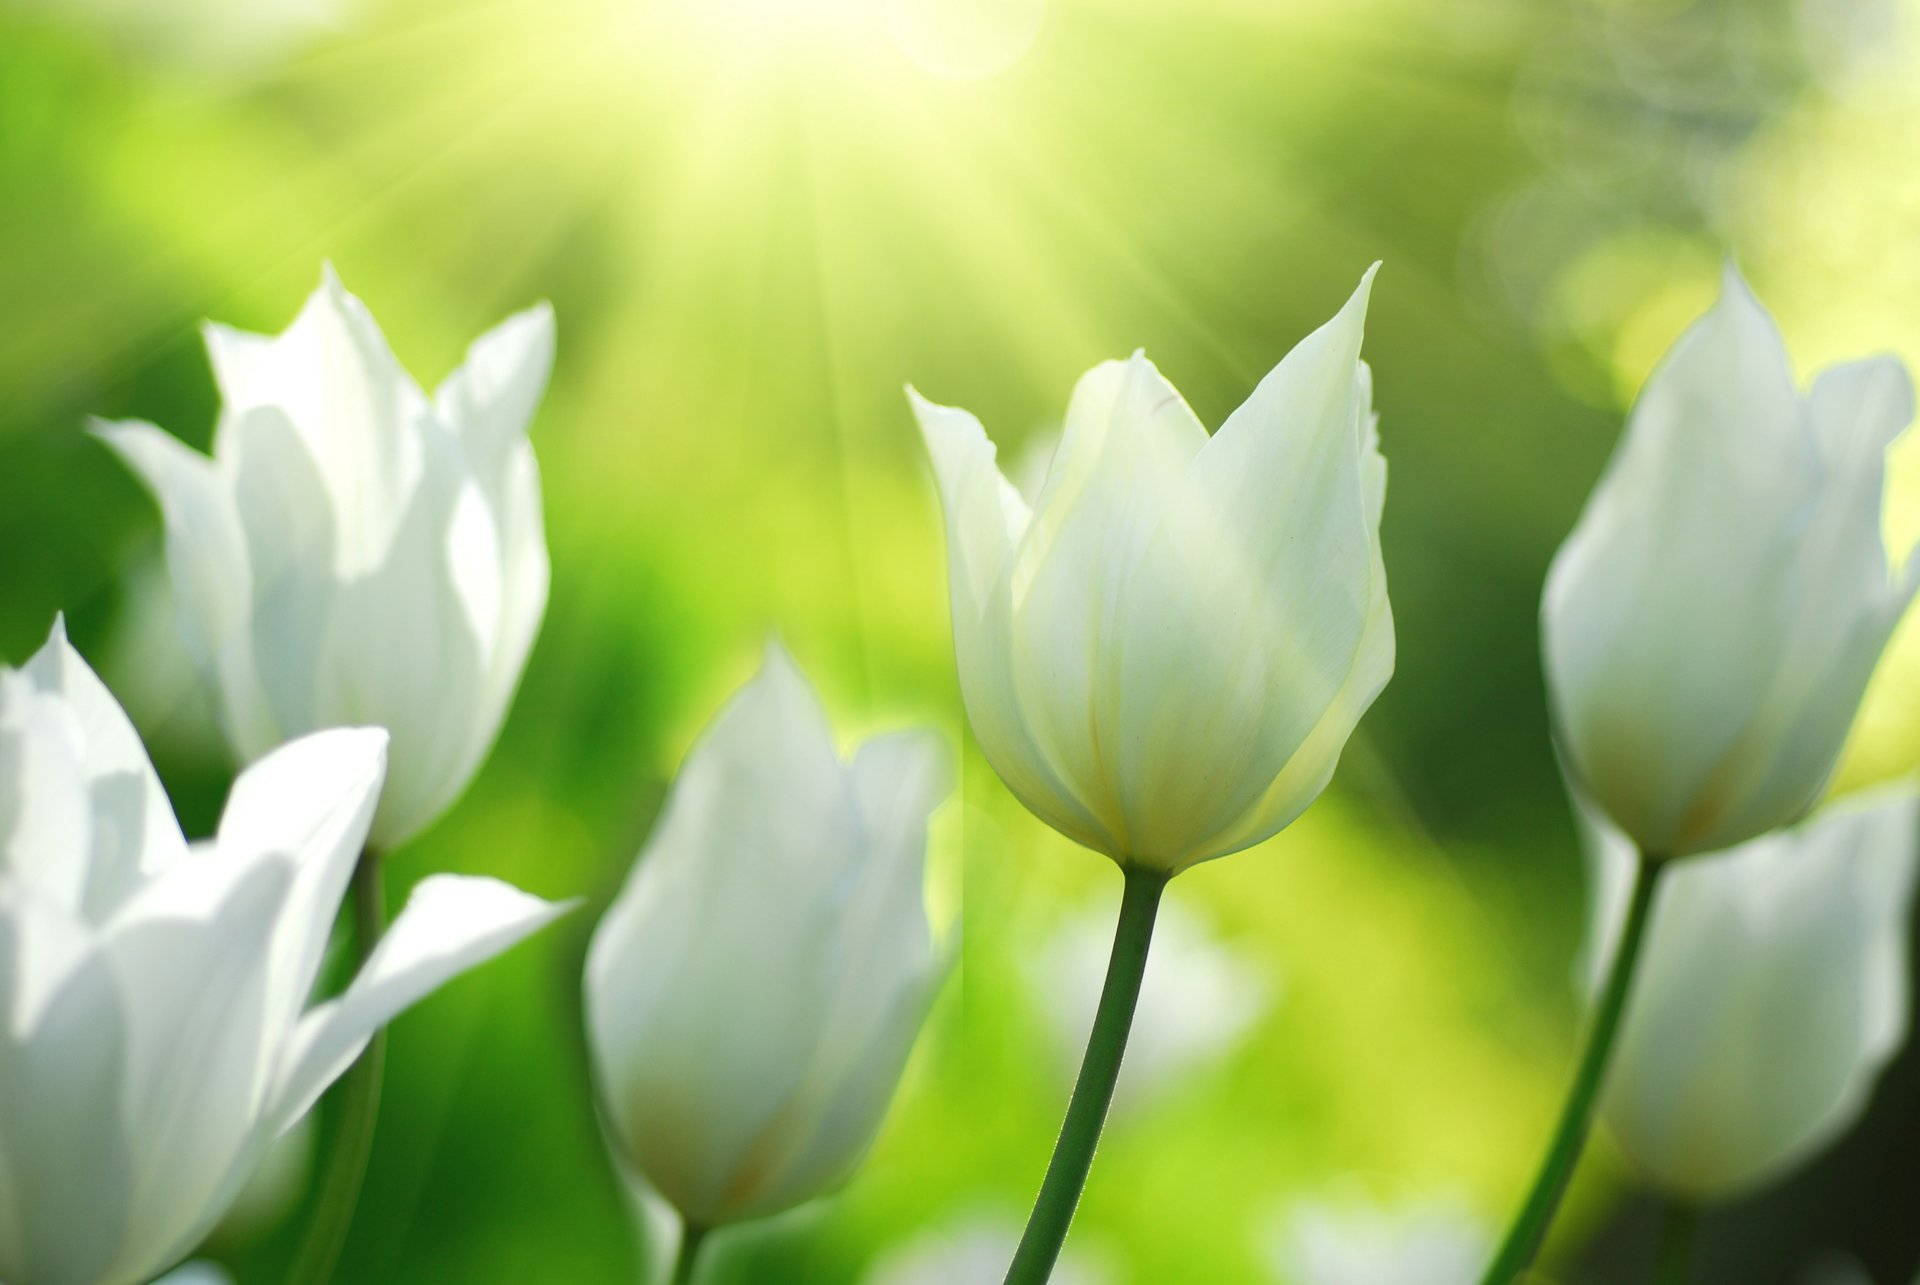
(1363, 293)
(774, 652)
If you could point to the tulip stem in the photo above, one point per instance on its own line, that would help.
(1677, 1239)
(1087, 1110)
(359, 1105)
(692, 1237)
(1529, 1228)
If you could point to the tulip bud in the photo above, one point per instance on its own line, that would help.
(1772, 992)
(154, 1031)
(1712, 621)
(753, 993)
(1165, 654)
(355, 554)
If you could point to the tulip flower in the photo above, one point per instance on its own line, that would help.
(753, 992)
(1712, 621)
(1198, 1002)
(1710, 625)
(968, 1250)
(1772, 993)
(355, 553)
(155, 1029)
(1165, 653)
(1430, 1243)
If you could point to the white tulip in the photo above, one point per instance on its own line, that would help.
(154, 1031)
(1711, 623)
(1165, 654)
(1429, 1243)
(753, 993)
(355, 553)
(1771, 993)
(973, 1250)
(236, 38)
(1199, 1000)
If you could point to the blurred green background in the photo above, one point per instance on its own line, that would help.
(756, 220)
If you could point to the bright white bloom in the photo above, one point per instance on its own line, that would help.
(236, 37)
(1199, 999)
(1772, 991)
(1711, 623)
(154, 1031)
(354, 553)
(1165, 654)
(975, 1250)
(196, 1273)
(1436, 1243)
(753, 993)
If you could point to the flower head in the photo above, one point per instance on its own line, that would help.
(1772, 992)
(355, 553)
(1164, 655)
(753, 993)
(1712, 621)
(155, 1036)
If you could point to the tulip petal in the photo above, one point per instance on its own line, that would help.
(419, 681)
(984, 512)
(1124, 419)
(493, 396)
(1076, 582)
(186, 956)
(207, 564)
(524, 572)
(312, 801)
(335, 379)
(287, 521)
(134, 830)
(65, 1171)
(46, 823)
(450, 924)
(885, 977)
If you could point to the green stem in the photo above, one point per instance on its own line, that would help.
(692, 1237)
(359, 1105)
(1087, 1110)
(1529, 1229)
(1676, 1244)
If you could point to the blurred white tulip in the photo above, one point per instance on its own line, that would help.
(1164, 655)
(1711, 623)
(354, 553)
(753, 993)
(196, 1273)
(154, 1031)
(974, 1251)
(204, 37)
(1771, 993)
(1199, 999)
(1347, 1243)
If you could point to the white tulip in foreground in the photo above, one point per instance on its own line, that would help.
(155, 1031)
(1711, 623)
(1772, 991)
(355, 553)
(1165, 654)
(752, 995)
